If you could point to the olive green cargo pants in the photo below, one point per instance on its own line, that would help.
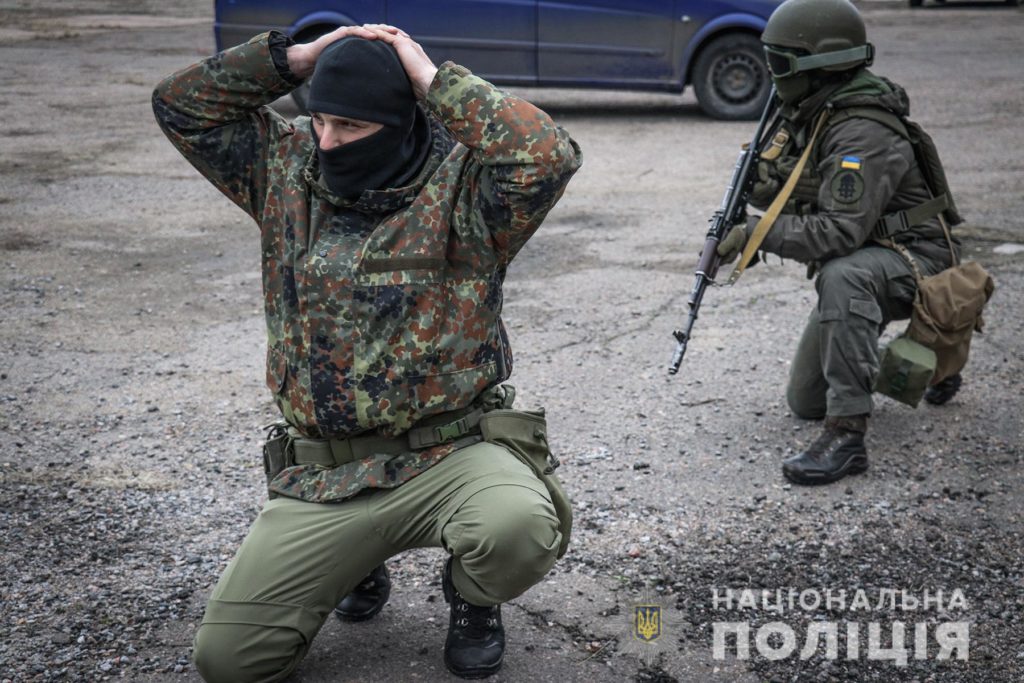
(837, 357)
(480, 503)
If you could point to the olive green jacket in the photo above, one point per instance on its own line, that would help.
(859, 171)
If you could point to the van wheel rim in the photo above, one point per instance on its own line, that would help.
(737, 78)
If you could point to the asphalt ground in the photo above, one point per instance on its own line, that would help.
(131, 392)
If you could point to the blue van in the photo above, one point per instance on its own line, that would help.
(656, 45)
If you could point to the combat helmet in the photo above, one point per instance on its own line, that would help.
(803, 35)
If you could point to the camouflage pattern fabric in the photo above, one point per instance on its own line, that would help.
(320, 484)
(385, 309)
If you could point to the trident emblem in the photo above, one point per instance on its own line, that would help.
(647, 621)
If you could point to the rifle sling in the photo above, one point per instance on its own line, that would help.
(768, 219)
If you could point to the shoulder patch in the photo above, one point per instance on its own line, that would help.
(850, 162)
(847, 186)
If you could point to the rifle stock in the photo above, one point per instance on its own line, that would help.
(732, 210)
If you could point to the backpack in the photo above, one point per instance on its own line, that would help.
(927, 156)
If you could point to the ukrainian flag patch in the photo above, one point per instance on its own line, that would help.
(850, 162)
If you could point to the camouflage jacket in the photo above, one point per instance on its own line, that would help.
(386, 309)
(859, 171)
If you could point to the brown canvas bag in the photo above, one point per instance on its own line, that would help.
(948, 309)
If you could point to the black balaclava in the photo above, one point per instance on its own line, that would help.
(364, 79)
(822, 85)
(792, 89)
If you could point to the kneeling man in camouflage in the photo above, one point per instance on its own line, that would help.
(387, 219)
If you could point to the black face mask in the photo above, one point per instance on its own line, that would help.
(792, 89)
(364, 80)
(388, 158)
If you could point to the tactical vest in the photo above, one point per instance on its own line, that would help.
(781, 157)
(787, 145)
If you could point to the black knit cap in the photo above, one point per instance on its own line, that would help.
(362, 79)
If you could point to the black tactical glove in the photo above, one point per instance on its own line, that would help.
(770, 179)
(766, 185)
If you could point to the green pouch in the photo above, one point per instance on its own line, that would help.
(275, 449)
(905, 371)
(525, 434)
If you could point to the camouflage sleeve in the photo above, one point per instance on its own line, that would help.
(214, 112)
(524, 160)
(861, 165)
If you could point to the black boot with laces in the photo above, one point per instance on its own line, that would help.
(839, 451)
(366, 599)
(476, 638)
(940, 393)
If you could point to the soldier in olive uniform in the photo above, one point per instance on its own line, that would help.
(386, 222)
(861, 184)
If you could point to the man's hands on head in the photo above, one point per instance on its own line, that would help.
(302, 56)
(418, 66)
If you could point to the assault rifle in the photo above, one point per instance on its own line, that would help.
(732, 211)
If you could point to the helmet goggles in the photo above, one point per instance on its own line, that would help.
(783, 62)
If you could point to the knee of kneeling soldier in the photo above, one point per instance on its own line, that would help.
(236, 653)
(841, 275)
(512, 551)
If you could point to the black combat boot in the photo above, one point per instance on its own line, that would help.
(476, 638)
(837, 452)
(937, 394)
(366, 599)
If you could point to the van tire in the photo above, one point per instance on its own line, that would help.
(731, 79)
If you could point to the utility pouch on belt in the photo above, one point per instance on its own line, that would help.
(524, 434)
(905, 371)
(275, 449)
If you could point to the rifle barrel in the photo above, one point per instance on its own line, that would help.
(733, 207)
